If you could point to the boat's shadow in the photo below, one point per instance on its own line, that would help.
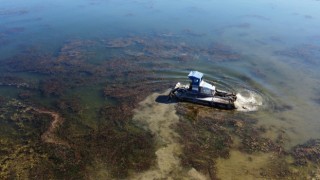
(164, 99)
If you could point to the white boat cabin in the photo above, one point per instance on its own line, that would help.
(198, 85)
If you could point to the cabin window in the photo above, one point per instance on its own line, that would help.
(206, 91)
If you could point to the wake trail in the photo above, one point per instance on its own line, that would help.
(248, 100)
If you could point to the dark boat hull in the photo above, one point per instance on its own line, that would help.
(221, 100)
(228, 106)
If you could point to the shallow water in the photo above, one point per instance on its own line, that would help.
(266, 51)
(159, 118)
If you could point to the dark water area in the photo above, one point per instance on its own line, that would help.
(82, 85)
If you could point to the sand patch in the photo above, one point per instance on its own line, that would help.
(160, 118)
(242, 166)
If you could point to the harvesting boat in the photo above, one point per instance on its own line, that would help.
(201, 92)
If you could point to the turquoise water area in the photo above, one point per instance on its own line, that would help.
(74, 52)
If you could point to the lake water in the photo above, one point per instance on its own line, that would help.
(90, 60)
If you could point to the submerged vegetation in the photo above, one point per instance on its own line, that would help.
(208, 134)
(308, 152)
(49, 129)
(308, 53)
(203, 139)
